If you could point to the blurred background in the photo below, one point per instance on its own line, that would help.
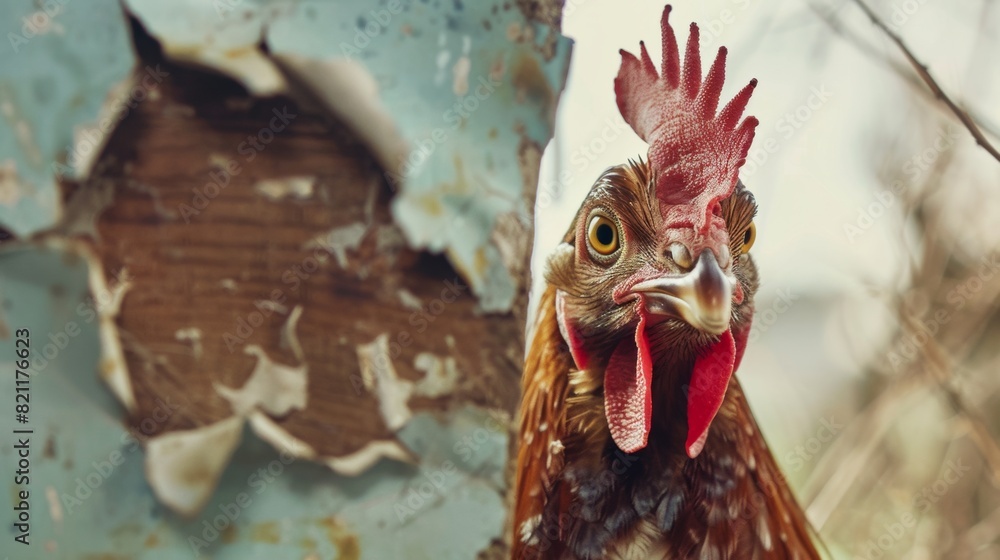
(873, 365)
(275, 256)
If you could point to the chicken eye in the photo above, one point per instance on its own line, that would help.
(603, 235)
(748, 238)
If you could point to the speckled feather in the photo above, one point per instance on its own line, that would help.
(577, 495)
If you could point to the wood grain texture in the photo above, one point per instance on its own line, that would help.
(243, 247)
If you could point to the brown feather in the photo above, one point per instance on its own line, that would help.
(576, 494)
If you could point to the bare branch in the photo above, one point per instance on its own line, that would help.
(928, 79)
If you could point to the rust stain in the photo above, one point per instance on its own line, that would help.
(71, 259)
(241, 51)
(530, 82)
(514, 32)
(498, 68)
(229, 534)
(266, 532)
(482, 263)
(107, 368)
(348, 547)
(152, 541)
(49, 452)
(198, 476)
(126, 529)
(57, 290)
(432, 205)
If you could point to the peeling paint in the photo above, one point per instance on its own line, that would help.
(380, 378)
(10, 193)
(445, 120)
(191, 335)
(409, 300)
(54, 80)
(339, 241)
(295, 188)
(270, 305)
(274, 388)
(363, 459)
(55, 508)
(460, 71)
(183, 467)
(109, 301)
(440, 375)
(351, 464)
(83, 207)
(458, 196)
(224, 40)
(347, 89)
(345, 540)
(289, 337)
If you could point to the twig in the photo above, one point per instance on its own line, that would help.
(928, 79)
(902, 70)
(862, 439)
(937, 364)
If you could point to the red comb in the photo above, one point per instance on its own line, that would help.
(695, 152)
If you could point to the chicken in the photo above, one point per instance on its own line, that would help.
(636, 442)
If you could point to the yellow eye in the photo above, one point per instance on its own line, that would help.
(603, 235)
(748, 238)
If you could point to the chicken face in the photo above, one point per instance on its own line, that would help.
(632, 293)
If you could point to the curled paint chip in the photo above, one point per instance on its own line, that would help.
(351, 464)
(183, 467)
(347, 89)
(226, 41)
(339, 240)
(289, 336)
(440, 375)
(379, 376)
(365, 458)
(108, 302)
(274, 388)
(296, 188)
(191, 335)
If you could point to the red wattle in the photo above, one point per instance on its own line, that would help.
(709, 381)
(570, 335)
(628, 398)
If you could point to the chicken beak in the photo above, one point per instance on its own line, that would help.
(702, 297)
